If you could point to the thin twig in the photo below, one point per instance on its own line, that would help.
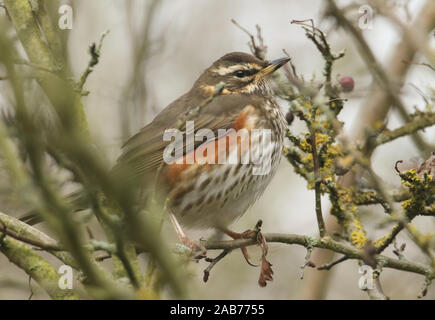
(328, 266)
(307, 263)
(258, 50)
(213, 262)
(419, 64)
(317, 186)
(378, 73)
(95, 52)
(30, 288)
(32, 241)
(102, 258)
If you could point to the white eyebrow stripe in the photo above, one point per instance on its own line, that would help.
(227, 70)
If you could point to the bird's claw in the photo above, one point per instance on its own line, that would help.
(197, 249)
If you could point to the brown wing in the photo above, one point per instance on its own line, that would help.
(144, 151)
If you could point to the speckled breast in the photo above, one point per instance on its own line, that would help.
(214, 195)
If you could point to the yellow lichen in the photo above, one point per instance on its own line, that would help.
(321, 138)
(308, 105)
(346, 161)
(307, 158)
(334, 150)
(310, 185)
(406, 203)
(329, 163)
(381, 241)
(358, 235)
(305, 146)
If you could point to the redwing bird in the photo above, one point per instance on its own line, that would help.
(213, 195)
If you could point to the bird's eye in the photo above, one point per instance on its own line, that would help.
(240, 73)
(245, 73)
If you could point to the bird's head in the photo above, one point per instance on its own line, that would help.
(241, 73)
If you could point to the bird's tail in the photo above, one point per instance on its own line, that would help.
(76, 200)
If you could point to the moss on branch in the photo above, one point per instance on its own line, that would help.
(36, 267)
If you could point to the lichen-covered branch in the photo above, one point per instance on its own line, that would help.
(417, 122)
(94, 51)
(36, 267)
(324, 243)
(382, 77)
(39, 53)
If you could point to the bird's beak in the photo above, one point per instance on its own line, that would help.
(273, 66)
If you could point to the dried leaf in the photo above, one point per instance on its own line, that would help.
(266, 272)
(266, 267)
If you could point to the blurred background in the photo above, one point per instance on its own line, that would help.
(155, 51)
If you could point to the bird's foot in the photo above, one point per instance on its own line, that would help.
(198, 251)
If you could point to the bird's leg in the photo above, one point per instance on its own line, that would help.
(193, 245)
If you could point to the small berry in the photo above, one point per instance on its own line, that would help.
(347, 84)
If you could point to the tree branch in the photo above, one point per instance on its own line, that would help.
(419, 122)
(36, 267)
(324, 243)
(317, 185)
(39, 53)
(425, 23)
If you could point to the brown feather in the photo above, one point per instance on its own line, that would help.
(144, 151)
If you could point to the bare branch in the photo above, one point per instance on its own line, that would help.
(324, 243)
